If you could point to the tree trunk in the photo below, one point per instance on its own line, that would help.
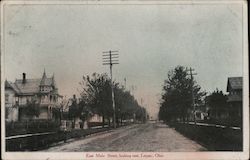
(109, 121)
(121, 120)
(103, 121)
(74, 122)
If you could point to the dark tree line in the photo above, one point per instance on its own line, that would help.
(96, 99)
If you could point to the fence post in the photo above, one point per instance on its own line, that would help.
(27, 126)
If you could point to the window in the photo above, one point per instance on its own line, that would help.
(6, 97)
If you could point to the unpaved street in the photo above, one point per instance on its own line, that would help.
(139, 137)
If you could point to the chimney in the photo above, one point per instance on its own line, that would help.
(24, 77)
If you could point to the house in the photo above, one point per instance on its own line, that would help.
(42, 91)
(11, 109)
(234, 87)
(95, 118)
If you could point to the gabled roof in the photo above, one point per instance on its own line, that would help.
(46, 82)
(53, 83)
(7, 84)
(10, 85)
(31, 86)
(234, 83)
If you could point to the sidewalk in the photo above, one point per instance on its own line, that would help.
(213, 125)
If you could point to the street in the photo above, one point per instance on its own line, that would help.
(149, 137)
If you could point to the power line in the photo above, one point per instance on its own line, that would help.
(110, 59)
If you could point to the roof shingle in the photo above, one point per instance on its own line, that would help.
(30, 86)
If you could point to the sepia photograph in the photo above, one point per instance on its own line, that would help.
(124, 80)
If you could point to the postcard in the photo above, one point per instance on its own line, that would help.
(126, 80)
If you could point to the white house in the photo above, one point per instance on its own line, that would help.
(42, 90)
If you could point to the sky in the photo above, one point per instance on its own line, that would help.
(68, 40)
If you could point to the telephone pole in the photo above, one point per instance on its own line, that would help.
(133, 88)
(142, 110)
(192, 90)
(110, 58)
(125, 80)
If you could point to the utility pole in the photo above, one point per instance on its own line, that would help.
(125, 83)
(133, 88)
(141, 110)
(110, 58)
(192, 90)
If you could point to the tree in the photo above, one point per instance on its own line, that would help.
(141, 114)
(56, 113)
(31, 109)
(96, 93)
(127, 106)
(176, 103)
(84, 111)
(74, 111)
(121, 102)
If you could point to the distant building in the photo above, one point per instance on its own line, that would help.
(42, 90)
(95, 118)
(200, 115)
(234, 87)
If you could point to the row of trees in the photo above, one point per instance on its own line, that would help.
(181, 95)
(96, 99)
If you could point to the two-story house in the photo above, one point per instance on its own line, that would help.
(234, 87)
(43, 91)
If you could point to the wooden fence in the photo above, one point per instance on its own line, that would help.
(39, 141)
(26, 127)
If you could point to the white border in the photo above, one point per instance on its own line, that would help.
(168, 155)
